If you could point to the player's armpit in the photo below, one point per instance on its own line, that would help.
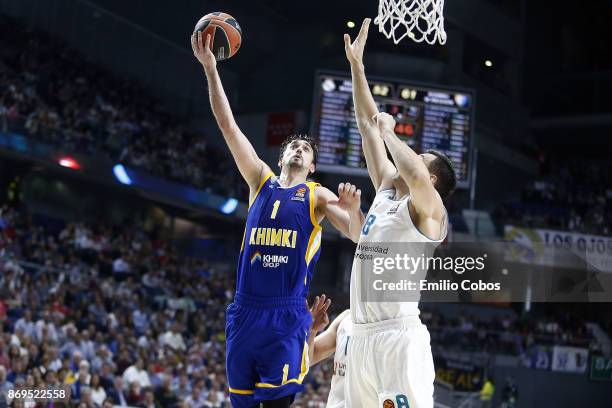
(255, 186)
(426, 209)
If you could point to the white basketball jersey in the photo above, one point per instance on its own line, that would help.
(388, 221)
(336, 392)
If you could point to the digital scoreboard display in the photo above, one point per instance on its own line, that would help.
(427, 118)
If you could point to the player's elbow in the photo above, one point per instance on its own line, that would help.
(367, 126)
(415, 176)
(226, 125)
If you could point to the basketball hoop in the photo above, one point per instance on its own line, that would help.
(421, 20)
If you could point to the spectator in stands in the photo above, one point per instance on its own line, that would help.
(487, 392)
(137, 373)
(149, 399)
(5, 385)
(117, 392)
(98, 394)
(82, 108)
(510, 394)
(195, 398)
(165, 395)
(173, 338)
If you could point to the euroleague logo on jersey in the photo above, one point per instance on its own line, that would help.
(300, 194)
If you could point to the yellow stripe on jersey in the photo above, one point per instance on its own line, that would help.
(241, 392)
(243, 237)
(311, 186)
(300, 377)
(261, 184)
(314, 242)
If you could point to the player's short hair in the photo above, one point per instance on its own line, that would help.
(446, 179)
(290, 139)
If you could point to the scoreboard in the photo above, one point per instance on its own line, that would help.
(427, 118)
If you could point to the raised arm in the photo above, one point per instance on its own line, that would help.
(249, 164)
(425, 200)
(379, 166)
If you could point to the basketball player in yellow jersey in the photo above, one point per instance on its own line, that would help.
(268, 323)
(296, 161)
(389, 361)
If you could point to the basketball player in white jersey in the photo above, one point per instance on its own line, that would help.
(389, 361)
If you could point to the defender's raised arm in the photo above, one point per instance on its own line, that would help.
(379, 166)
(412, 167)
(249, 164)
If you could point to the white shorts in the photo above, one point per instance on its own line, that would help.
(389, 365)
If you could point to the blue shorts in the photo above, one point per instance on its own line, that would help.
(267, 348)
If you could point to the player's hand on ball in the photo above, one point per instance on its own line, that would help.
(318, 310)
(354, 50)
(201, 50)
(384, 121)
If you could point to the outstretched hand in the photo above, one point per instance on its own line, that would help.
(349, 197)
(202, 51)
(318, 310)
(354, 50)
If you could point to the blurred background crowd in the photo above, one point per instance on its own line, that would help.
(117, 292)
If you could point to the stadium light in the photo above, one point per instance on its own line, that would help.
(121, 174)
(350, 24)
(69, 162)
(229, 206)
(488, 63)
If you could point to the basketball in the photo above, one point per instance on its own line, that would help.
(225, 34)
(388, 404)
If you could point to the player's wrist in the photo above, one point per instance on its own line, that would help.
(357, 65)
(209, 68)
(387, 132)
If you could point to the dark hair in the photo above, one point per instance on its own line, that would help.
(311, 141)
(443, 169)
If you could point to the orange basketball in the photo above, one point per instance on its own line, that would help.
(225, 34)
(388, 404)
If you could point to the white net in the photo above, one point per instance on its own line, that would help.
(420, 20)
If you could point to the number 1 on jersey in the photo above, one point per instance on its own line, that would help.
(275, 209)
